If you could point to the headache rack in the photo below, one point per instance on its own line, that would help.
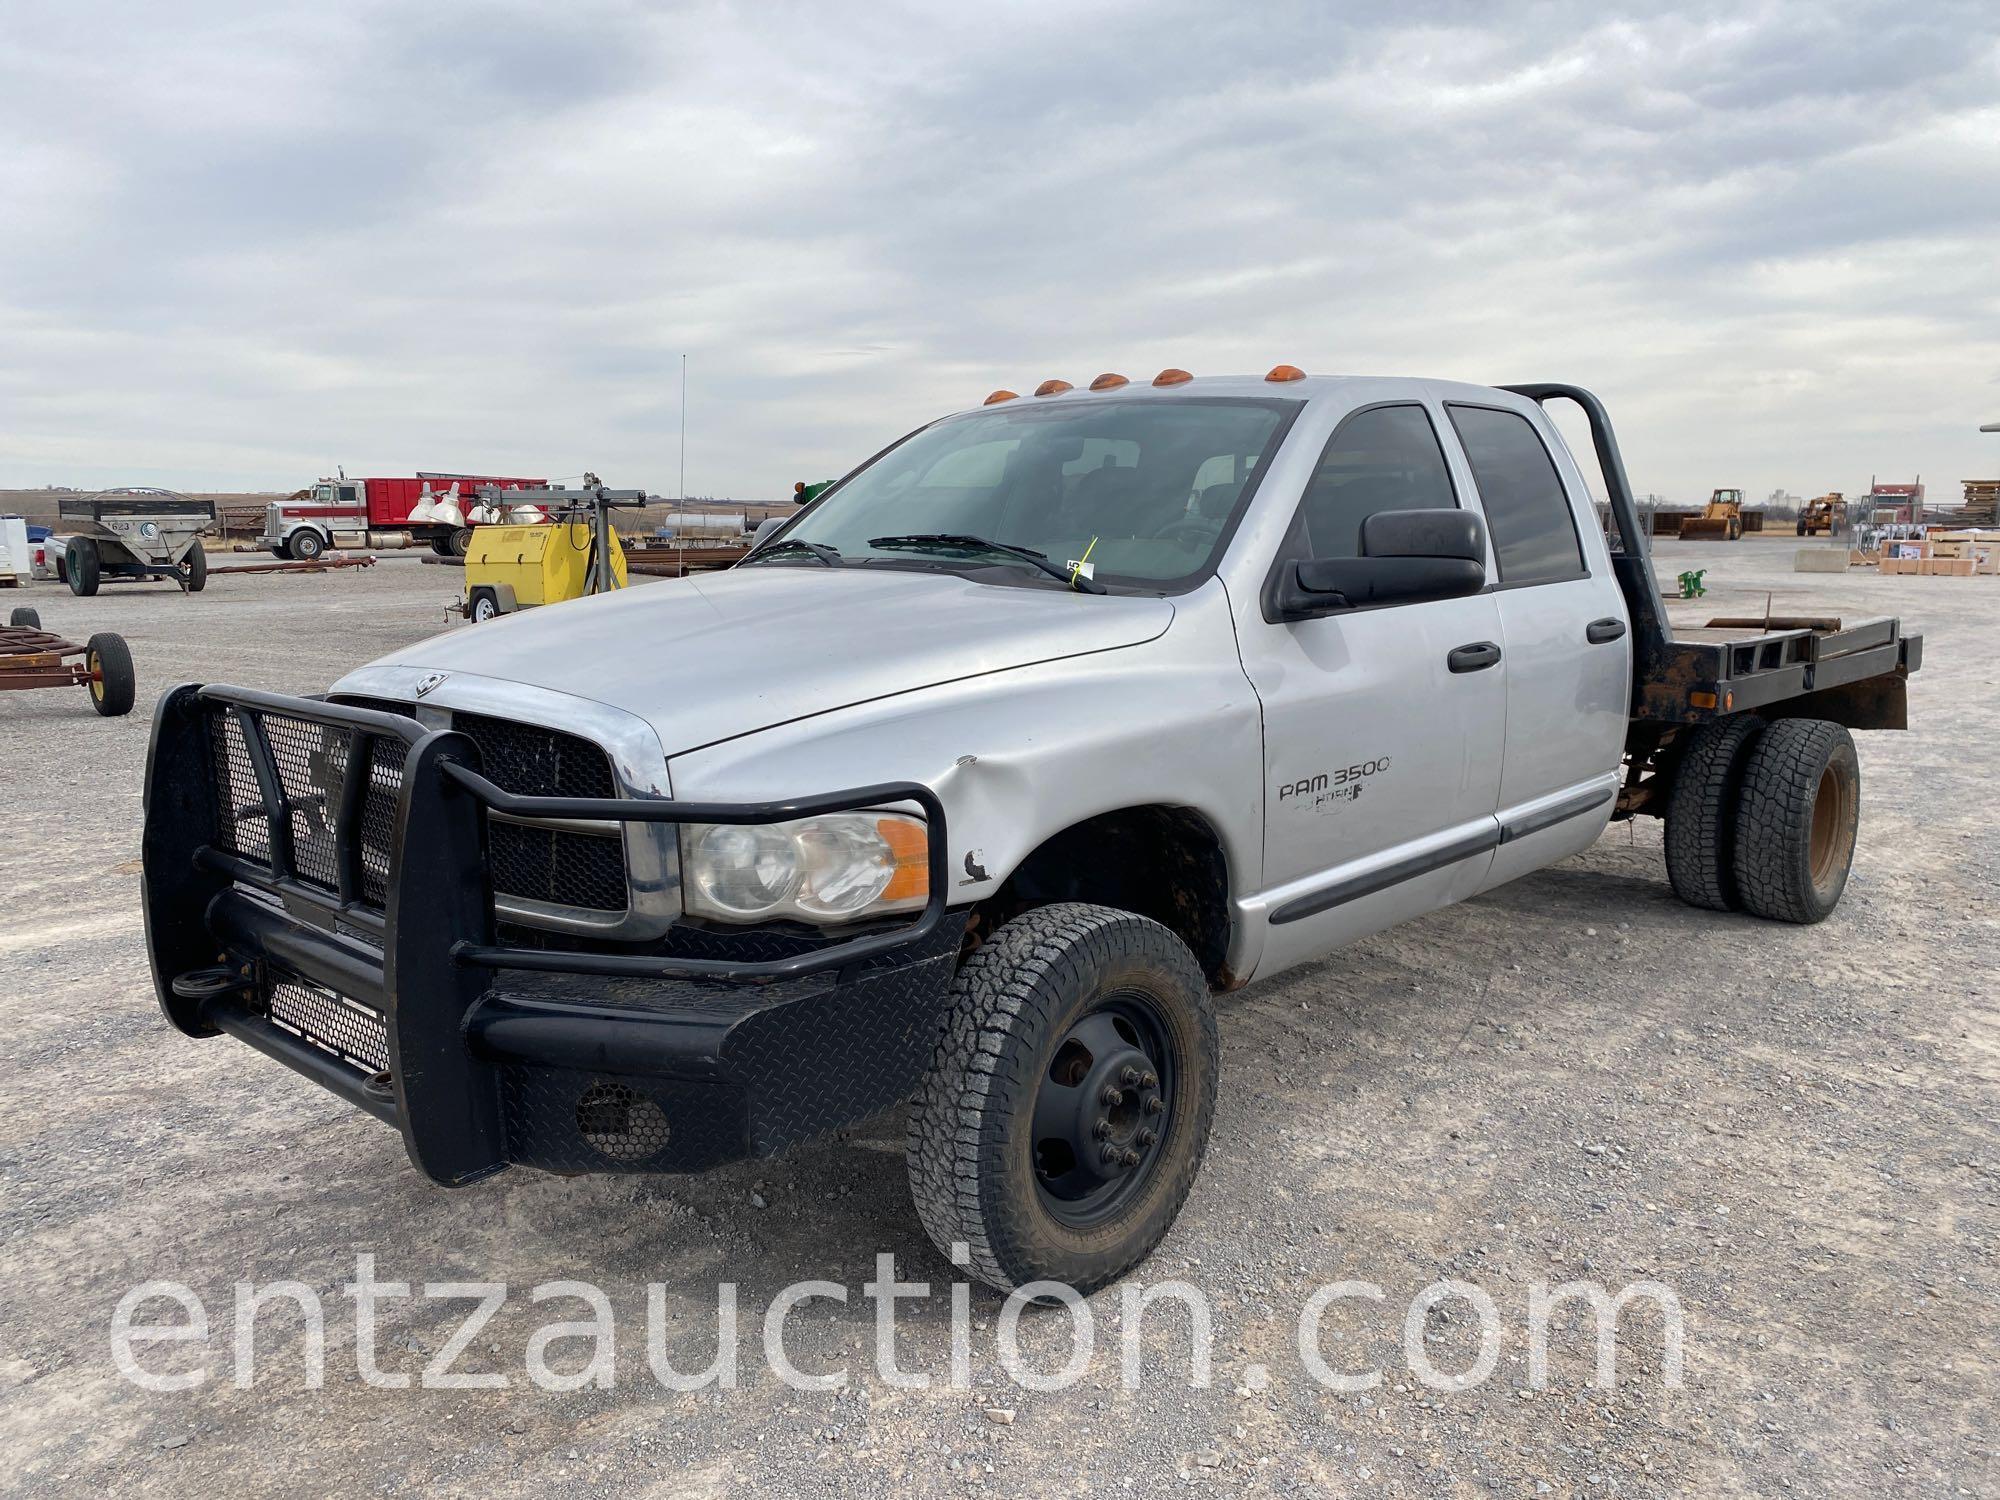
(337, 857)
(1857, 676)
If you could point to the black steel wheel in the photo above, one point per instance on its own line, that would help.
(1064, 1115)
(1100, 1109)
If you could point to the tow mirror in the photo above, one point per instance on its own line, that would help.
(1407, 557)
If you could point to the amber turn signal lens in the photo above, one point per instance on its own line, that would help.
(1286, 372)
(1108, 382)
(1053, 387)
(1172, 377)
(999, 396)
(909, 846)
(1702, 700)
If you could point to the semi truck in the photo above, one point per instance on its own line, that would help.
(1114, 700)
(343, 512)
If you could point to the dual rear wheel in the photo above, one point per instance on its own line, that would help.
(1763, 817)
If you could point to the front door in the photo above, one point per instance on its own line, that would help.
(1382, 727)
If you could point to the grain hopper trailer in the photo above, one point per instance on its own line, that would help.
(133, 533)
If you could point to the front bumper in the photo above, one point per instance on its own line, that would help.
(316, 885)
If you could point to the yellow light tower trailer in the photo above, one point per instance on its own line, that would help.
(575, 552)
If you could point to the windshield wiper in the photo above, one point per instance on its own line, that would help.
(829, 557)
(964, 542)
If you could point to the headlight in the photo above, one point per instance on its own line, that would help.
(831, 868)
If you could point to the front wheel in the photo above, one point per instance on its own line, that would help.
(1067, 1105)
(194, 569)
(307, 545)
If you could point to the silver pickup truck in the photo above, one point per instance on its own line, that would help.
(974, 783)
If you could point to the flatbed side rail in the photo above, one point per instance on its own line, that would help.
(1633, 565)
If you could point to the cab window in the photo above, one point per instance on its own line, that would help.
(1527, 512)
(1382, 458)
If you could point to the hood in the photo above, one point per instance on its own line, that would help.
(718, 655)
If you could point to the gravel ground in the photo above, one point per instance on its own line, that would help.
(1571, 1078)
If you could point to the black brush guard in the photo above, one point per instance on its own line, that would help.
(373, 887)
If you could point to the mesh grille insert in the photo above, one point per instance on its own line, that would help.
(333, 1023)
(531, 761)
(246, 826)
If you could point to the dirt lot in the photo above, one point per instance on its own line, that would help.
(1572, 1078)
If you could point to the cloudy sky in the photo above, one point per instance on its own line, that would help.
(242, 243)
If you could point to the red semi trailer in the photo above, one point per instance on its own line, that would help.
(343, 512)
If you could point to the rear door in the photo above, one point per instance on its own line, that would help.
(1564, 629)
(1382, 753)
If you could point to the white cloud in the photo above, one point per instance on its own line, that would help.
(243, 244)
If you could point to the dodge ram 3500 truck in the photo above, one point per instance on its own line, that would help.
(1105, 701)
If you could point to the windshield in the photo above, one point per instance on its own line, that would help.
(1146, 490)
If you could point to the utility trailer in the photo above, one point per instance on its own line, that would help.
(31, 657)
(135, 533)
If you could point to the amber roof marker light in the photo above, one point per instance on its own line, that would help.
(999, 396)
(1172, 377)
(1108, 382)
(1053, 387)
(1286, 372)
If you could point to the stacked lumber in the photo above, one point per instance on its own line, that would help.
(1982, 503)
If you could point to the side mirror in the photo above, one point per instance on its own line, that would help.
(1408, 557)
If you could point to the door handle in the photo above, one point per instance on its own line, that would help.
(1473, 658)
(1598, 632)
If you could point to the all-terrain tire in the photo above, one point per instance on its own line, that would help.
(1701, 812)
(115, 685)
(1797, 818)
(970, 1150)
